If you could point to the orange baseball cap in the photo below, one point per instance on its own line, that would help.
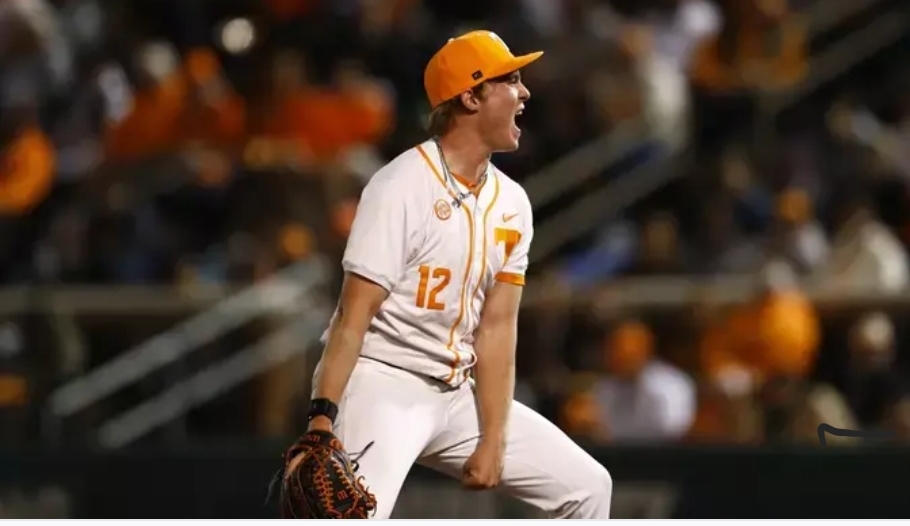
(466, 61)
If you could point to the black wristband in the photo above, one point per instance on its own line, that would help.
(323, 407)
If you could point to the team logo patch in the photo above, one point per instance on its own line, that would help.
(443, 209)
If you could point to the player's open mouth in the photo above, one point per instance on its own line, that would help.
(517, 130)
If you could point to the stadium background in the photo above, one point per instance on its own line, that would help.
(720, 191)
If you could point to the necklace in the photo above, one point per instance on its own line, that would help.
(459, 197)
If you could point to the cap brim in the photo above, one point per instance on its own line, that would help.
(518, 63)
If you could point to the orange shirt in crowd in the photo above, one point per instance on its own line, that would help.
(777, 336)
(149, 127)
(326, 121)
(26, 171)
(213, 113)
(721, 345)
(193, 105)
(753, 64)
(787, 333)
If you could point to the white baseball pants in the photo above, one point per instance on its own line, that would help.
(415, 420)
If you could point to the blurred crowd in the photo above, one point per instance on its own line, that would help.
(816, 226)
(195, 142)
(162, 141)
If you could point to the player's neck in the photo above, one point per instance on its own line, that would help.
(465, 154)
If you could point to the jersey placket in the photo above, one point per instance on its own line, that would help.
(478, 210)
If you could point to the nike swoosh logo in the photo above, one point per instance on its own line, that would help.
(508, 217)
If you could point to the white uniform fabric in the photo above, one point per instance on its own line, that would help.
(408, 393)
(437, 260)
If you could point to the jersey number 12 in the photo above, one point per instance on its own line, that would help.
(426, 296)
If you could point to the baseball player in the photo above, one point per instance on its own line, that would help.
(419, 359)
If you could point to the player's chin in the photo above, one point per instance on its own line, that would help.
(508, 141)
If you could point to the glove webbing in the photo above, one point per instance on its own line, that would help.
(279, 475)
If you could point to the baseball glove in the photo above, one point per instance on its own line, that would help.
(319, 481)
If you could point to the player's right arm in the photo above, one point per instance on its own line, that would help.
(373, 262)
(359, 302)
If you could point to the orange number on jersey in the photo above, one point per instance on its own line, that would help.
(507, 237)
(428, 301)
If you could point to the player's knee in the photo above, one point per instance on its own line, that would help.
(589, 497)
(599, 487)
(598, 492)
(603, 488)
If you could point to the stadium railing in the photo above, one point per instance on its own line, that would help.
(291, 293)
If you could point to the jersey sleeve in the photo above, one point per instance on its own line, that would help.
(377, 245)
(517, 262)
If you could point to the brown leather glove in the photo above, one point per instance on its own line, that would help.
(319, 481)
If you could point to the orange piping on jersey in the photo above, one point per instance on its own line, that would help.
(467, 270)
(432, 166)
(486, 217)
(511, 277)
(463, 295)
(483, 259)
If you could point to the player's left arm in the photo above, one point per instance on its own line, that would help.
(496, 338)
(494, 343)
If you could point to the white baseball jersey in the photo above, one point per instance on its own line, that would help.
(437, 259)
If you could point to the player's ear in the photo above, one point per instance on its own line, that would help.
(471, 100)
